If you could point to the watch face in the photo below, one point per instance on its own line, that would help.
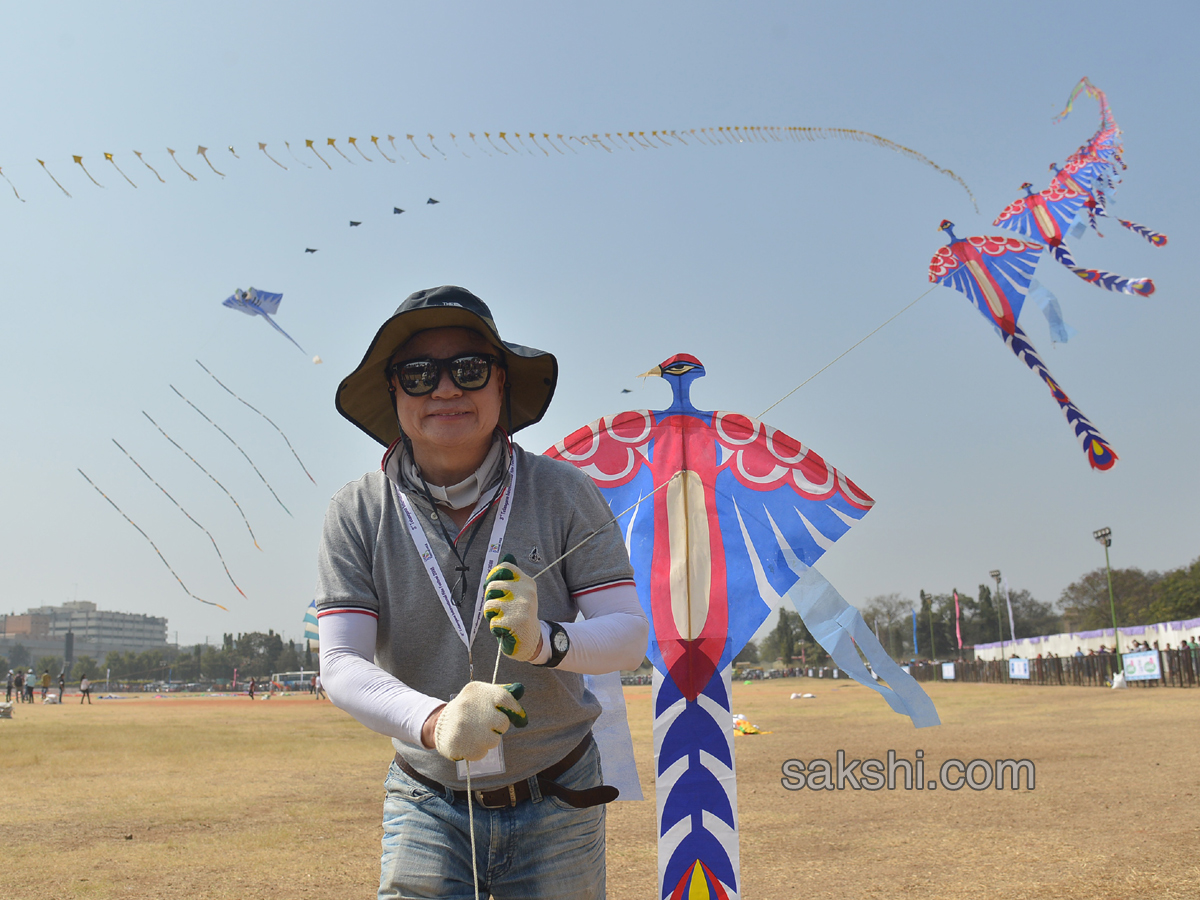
(561, 642)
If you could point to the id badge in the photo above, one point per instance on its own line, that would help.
(492, 764)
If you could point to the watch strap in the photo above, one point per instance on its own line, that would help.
(558, 635)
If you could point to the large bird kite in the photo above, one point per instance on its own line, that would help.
(723, 516)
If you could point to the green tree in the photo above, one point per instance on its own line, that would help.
(289, 659)
(20, 656)
(1177, 595)
(1133, 596)
(84, 666)
(749, 654)
(890, 616)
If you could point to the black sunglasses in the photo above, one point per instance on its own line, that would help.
(470, 371)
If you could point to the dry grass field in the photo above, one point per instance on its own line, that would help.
(281, 798)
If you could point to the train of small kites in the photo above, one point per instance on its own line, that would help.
(996, 272)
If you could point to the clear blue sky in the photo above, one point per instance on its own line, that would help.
(765, 261)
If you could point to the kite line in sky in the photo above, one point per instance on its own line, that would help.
(235, 443)
(633, 141)
(186, 513)
(264, 415)
(209, 474)
(152, 544)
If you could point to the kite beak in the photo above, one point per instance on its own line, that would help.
(657, 370)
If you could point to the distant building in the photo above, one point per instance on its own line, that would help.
(43, 630)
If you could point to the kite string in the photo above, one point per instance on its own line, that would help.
(228, 574)
(843, 353)
(152, 544)
(235, 443)
(209, 474)
(264, 415)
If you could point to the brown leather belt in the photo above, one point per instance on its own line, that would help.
(518, 792)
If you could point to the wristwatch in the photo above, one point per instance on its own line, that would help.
(560, 643)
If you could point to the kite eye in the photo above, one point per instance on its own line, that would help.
(678, 369)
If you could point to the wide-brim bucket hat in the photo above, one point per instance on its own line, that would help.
(363, 395)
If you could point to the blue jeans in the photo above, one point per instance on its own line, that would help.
(542, 849)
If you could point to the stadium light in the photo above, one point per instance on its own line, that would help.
(1104, 536)
(995, 573)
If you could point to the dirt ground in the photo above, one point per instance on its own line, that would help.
(232, 799)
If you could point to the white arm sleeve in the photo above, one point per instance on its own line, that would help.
(611, 637)
(354, 683)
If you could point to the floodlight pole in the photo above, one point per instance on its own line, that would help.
(1104, 536)
(995, 573)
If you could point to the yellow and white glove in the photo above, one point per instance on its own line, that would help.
(511, 608)
(472, 723)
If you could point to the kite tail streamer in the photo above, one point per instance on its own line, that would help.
(1060, 331)
(79, 162)
(203, 151)
(109, 157)
(234, 152)
(61, 188)
(458, 148)
(392, 141)
(1142, 287)
(181, 168)
(354, 144)
(536, 144)
(294, 156)
(522, 143)
(504, 137)
(275, 325)
(838, 627)
(152, 544)
(435, 146)
(494, 147)
(330, 143)
(263, 148)
(235, 443)
(1157, 238)
(375, 141)
(1099, 453)
(186, 513)
(476, 143)
(14, 187)
(413, 141)
(568, 146)
(150, 167)
(264, 415)
(209, 474)
(309, 145)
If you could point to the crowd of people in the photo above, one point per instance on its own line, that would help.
(24, 683)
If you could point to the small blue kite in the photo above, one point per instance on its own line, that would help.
(259, 303)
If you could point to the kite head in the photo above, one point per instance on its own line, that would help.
(679, 371)
(948, 227)
(363, 395)
(1027, 187)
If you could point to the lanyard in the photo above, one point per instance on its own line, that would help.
(417, 532)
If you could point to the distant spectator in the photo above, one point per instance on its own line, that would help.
(8, 687)
(45, 684)
(62, 687)
(253, 685)
(19, 686)
(320, 688)
(85, 691)
(29, 682)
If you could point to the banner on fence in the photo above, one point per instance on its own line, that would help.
(1142, 666)
(1018, 668)
(947, 671)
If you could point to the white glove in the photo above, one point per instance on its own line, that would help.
(511, 609)
(471, 724)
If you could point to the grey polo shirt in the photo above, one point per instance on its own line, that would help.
(368, 563)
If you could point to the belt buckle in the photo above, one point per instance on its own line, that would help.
(512, 798)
